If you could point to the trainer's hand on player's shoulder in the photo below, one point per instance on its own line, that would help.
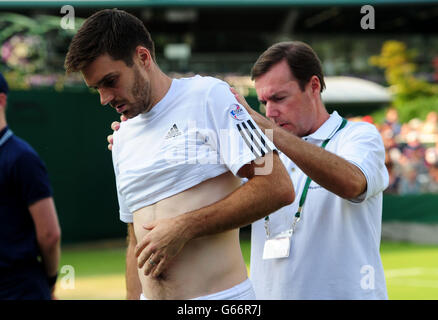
(242, 101)
(262, 121)
(114, 126)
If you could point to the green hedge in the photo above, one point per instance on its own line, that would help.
(411, 208)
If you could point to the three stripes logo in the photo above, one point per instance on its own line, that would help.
(173, 132)
(253, 138)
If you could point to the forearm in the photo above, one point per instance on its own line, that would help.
(51, 254)
(328, 170)
(48, 233)
(259, 197)
(133, 285)
(325, 168)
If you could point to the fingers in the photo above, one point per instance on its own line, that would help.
(149, 226)
(240, 99)
(157, 247)
(155, 266)
(123, 118)
(143, 254)
(144, 260)
(110, 142)
(152, 262)
(141, 251)
(144, 242)
(236, 94)
(115, 126)
(159, 268)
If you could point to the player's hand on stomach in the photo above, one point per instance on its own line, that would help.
(164, 241)
(114, 126)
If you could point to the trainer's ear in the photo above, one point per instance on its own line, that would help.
(144, 56)
(315, 85)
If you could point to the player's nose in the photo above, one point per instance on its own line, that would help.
(105, 96)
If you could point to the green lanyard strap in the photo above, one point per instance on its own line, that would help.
(307, 184)
(308, 180)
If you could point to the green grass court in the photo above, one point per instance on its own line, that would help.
(411, 271)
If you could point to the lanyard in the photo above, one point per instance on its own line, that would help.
(306, 188)
(5, 137)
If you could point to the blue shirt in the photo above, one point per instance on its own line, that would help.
(23, 181)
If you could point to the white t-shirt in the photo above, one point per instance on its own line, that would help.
(196, 132)
(334, 251)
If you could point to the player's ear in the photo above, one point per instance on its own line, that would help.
(143, 55)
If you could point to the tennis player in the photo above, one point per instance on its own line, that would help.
(185, 146)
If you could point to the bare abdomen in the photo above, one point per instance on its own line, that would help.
(205, 265)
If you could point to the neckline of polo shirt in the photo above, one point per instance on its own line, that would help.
(3, 131)
(162, 105)
(328, 128)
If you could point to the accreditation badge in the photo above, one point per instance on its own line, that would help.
(278, 246)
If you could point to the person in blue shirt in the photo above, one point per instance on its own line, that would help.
(29, 229)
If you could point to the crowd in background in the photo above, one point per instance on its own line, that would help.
(411, 153)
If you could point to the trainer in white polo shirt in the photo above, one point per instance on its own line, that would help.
(339, 174)
(334, 250)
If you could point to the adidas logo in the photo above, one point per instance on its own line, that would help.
(173, 132)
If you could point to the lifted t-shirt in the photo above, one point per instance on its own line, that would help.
(196, 132)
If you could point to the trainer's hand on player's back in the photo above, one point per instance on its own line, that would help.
(114, 126)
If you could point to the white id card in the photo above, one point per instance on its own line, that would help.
(278, 247)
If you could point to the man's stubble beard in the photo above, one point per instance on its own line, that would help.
(141, 91)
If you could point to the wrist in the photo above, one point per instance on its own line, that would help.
(277, 135)
(186, 227)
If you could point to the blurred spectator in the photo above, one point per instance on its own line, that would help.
(412, 167)
(391, 119)
(392, 148)
(430, 126)
(409, 183)
(414, 125)
(429, 130)
(394, 177)
(431, 155)
(368, 119)
(413, 153)
(432, 186)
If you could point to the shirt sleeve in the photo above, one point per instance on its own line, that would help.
(31, 178)
(240, 139)
(125, 214)
(364, 148)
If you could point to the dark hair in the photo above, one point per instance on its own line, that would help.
(110, 31)
(302, 60)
